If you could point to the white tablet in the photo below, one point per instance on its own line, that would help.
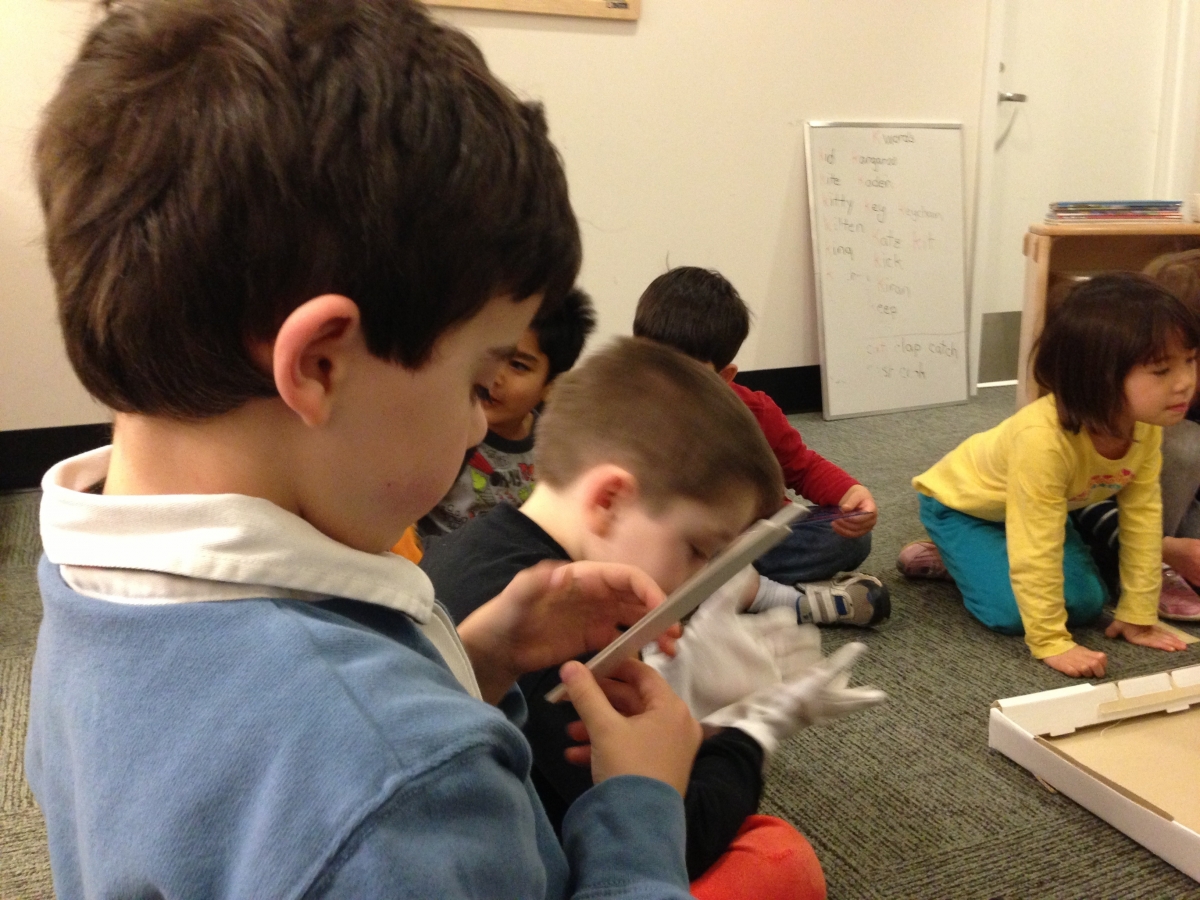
(747, 547)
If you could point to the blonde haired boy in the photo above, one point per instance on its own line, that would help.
(645, 457)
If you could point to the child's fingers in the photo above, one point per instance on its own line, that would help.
(660, 742)
(579, 756)
(1162, 640)
(589, 700)
(1145, 636)
(650, 688)
(851, 527)
(624, 697)
(1079, 662)
(666, 640)
(578, 732)
(629, 584)
(866, 515)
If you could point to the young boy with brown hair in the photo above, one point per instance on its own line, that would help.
(500, 469)
(610, 488)
(698, 312)
(292, 242)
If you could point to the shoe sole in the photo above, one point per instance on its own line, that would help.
(1178, 618)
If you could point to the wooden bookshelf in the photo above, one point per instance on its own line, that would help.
(1059, 255)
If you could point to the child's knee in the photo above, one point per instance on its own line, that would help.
(855, 551)
(1000, 615)
(768, 859)
(1003, 621)
(813, 553)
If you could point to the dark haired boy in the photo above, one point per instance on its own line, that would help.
(500, 469)
(699, 312)
(609, 490)
(292, 241)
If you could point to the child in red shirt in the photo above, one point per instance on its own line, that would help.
(698, 312)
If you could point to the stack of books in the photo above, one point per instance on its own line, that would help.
(1116, 211)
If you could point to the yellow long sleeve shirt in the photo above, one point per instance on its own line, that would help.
(1028, 472)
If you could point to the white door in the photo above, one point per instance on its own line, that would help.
(1102, 119)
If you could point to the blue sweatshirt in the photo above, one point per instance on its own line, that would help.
(204, 737)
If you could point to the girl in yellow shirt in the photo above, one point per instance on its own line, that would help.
(1117, 357)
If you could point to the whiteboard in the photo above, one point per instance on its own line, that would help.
(886, 213)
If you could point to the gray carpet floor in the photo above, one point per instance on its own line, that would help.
(904, 801)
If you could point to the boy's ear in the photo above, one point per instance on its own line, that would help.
(312, 352)
(606, 491)
(728, 372)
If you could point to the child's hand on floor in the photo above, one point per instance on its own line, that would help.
(1145, 636)
(859, 499)
(553, 612)
(631, 724)
(1079, 662)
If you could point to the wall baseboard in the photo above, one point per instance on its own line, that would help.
(796, 389)
(26, 455)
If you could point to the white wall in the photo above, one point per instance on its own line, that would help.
(682, 134)
(37, 387)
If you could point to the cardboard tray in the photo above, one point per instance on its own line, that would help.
(1128, 751)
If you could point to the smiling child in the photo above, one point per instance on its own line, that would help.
(500, 469)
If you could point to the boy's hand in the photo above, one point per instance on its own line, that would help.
(635, 725)
(857, 499)
(1079, 662)
(1145, 636)
(554, 612)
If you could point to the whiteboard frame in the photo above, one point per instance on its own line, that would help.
(816, 249)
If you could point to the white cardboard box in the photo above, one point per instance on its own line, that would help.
(1128, 750)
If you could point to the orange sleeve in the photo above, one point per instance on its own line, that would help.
(409, 545)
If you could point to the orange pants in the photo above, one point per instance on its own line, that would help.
(768, 859)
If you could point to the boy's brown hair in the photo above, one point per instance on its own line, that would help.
(696, 311)
(672, 423)
(1092, 339)
(207, 166)
(563, 330)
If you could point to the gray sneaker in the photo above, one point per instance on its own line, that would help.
(849, 598)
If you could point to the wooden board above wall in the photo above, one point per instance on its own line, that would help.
(594, 9)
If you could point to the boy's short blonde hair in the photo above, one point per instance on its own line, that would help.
(672, 422)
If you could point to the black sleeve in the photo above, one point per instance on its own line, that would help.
(724, 789)
(558, 782)
(470, 566)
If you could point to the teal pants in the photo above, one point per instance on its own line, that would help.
(975, 552)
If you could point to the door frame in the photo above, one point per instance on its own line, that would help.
(1177, 160)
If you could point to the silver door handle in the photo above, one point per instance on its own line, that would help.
(1010, 97)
